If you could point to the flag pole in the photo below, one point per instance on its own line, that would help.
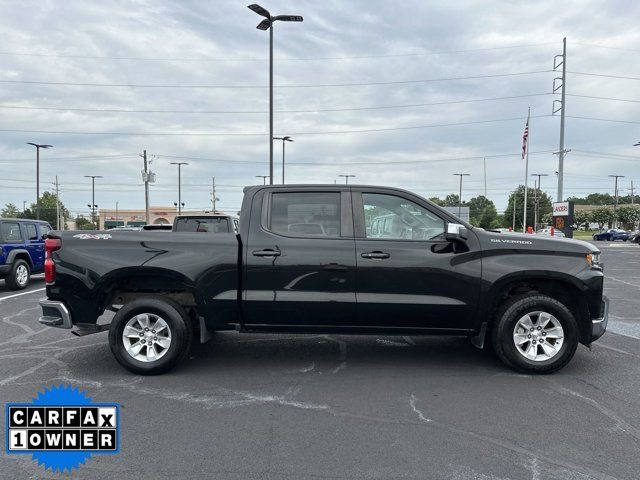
(526, 173)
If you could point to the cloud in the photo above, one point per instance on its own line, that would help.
(216, 43)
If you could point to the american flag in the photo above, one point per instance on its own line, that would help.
(525, 138)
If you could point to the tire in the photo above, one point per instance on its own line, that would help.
(508, 326)
(148, 312)
(20, 275)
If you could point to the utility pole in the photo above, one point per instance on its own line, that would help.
(117, 224)
(527, 141)
(561, 109)
(24, 206)
(615, 205)
(213, 193)
(484, 161)
(147, 176)
(632, 193)
(460, 194)
(537, 200)
(264, 178)
(179, 164)
(38, 147)
(57, 204)
(515, 198)
(93, 205)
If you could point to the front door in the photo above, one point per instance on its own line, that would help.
(300, 260)
(408, 275)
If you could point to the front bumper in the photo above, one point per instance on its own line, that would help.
(599, 325)
(55, 314)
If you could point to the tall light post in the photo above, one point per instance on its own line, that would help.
(460, 194)
(536, 210)
(93, 205)
(267, 24)
(180, 204)
(264, 178)
(38, 147)
(346, 178)
(615, 205)
(284, 139)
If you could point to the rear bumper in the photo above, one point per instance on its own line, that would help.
(55, 314)
(599, 325)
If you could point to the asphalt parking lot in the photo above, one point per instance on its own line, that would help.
(342, 407)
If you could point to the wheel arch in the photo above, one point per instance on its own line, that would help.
(19, 253)
(560, 286)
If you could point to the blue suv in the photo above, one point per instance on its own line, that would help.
(21, 250)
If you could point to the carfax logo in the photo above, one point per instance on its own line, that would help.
(62, 427)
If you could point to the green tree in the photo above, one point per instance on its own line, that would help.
(452, 200)
(48, 210)
(582, 218)
(601, 215)
(10, 211)
(544, 207)
(482, 212)
(437, 201)
(628, 215)
(83, 223)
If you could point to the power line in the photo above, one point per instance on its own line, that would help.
(605, 46)
(604, 119)
(602, 98)
(245, 134)
(381, 107)
(604, 75)
(279, 59)
(321, 85)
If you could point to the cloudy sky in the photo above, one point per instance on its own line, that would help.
(397, 93)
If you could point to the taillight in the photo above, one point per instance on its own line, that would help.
(50, 245)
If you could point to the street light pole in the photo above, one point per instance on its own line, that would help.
(460, 194)
(346, 178)
(267, 24)
(38, 147)
(284, 139)
(179, 164)
(264, 178)
(93, 205)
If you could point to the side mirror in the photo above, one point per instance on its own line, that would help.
(455, 232)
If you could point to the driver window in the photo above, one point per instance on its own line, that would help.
(396, 218)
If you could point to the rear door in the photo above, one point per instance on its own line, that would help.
(408, 275)
(34, 245)
(11, 236)
(299, 265)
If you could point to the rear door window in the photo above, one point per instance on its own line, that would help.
(32, 231)
(305, 214)
(10, 232)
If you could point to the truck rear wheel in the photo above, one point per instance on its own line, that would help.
(150, 336)
(18, 278)
(535, 334)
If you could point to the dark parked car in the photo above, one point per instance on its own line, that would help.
(634, 237)
(420, 271)
(612, 235)
(21, 250)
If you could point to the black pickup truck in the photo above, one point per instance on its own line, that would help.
(340, 259)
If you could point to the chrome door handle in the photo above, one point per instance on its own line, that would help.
(267, 252)
(375, 255)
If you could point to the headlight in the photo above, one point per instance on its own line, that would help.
(593, 259)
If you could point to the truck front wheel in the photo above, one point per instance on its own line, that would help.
(535, 334)
(150, 336)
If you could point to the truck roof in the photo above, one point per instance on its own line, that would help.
(24, 220)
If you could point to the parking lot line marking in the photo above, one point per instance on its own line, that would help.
(20, 294)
